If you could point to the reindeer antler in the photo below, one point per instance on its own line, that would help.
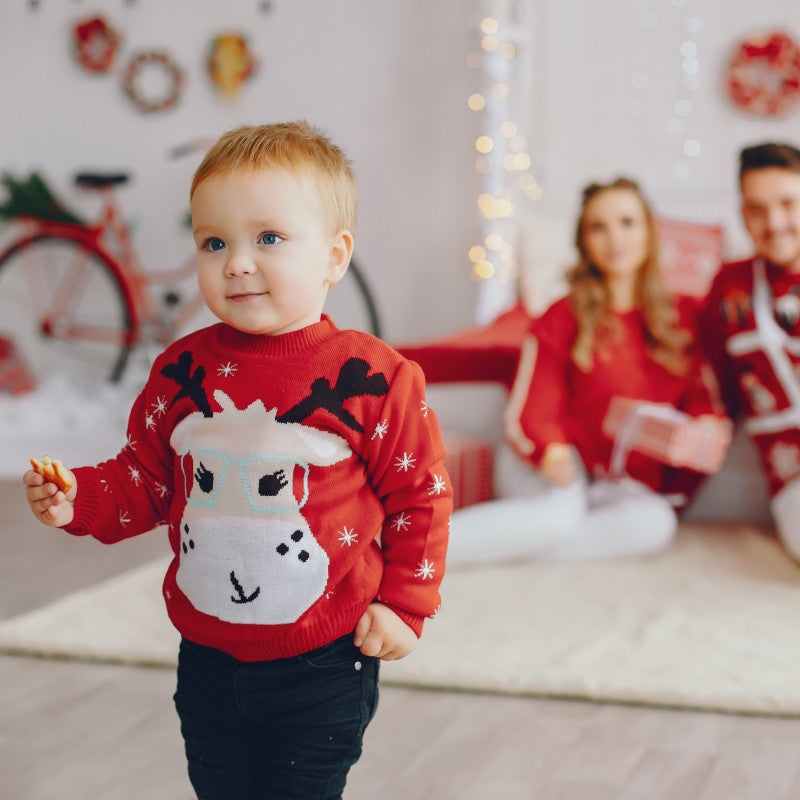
(190, 383)
(354, 381)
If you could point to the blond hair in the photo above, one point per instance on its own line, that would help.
(590, 297)
(297, 147)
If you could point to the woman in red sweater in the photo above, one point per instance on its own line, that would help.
(568, 490)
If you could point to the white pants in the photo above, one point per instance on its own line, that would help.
(785, 507)
(535, 519)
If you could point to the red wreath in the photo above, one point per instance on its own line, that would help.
(96, 44)
(764, 75)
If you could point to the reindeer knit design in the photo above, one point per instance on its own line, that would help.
(301, 479)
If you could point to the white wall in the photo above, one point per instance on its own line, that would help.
(387, 80)
(608, 77)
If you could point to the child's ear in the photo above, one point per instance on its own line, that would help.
(339, 257)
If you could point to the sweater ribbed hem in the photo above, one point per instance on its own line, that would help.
(294, 642)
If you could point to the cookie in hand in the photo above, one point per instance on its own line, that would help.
(53, 471)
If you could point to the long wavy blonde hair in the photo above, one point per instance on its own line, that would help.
(591, 299)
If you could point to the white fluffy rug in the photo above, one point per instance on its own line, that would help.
(713, 624)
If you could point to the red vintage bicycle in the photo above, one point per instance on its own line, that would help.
(74, 295)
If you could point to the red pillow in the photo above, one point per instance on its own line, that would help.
(488, 353)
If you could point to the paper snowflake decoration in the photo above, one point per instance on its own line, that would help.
(348, 537)
(437, 485)
(380, 429)
(402, 521)
(226, 370)
(405, 462)
(425, 570)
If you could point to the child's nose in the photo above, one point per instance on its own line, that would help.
(239, 263)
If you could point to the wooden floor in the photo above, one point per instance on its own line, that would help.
(93, 732)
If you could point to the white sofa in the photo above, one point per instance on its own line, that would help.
(737, 493)
(545, 247)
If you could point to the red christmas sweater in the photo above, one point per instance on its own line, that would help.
(301, 479)
(555, 401)
(751, 329)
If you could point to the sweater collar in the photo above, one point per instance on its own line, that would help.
(282, 345)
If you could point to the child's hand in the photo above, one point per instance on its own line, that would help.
(381, 633)
(557, 464)
(48, 503)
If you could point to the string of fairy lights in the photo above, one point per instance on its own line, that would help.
(687, 28)
(501, 60)
(502, 159)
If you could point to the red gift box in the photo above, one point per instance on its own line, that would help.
(661, 431)
(15, 377)
(469, 463)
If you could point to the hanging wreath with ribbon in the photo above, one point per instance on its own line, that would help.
(764, 75)
(96, 44)
(147, 68)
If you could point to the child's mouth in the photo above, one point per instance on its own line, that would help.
(245, 296)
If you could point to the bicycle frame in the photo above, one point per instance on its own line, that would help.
(111, 229)
(109, 238)
(89, 238)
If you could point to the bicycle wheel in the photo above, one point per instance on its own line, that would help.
(63, 304)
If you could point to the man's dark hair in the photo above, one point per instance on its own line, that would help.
(769, 154)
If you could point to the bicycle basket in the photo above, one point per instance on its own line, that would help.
(33, 198)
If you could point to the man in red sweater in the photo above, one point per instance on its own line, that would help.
(751, 326)
(299, 470)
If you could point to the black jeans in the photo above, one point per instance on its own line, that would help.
(283, 729)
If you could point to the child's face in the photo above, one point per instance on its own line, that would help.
(266, 253)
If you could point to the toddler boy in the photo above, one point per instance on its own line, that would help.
(299, 471)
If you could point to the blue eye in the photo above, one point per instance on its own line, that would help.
(269, 238)
(213, 244)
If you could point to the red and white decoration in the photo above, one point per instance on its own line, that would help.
(691, 253)
(764, 75)
(469, 463)
(96, 44)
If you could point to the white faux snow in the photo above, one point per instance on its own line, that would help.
(77, 424)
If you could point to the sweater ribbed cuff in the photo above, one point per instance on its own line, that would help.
(86, 504)
(414, 621)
